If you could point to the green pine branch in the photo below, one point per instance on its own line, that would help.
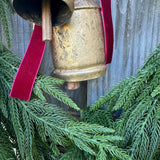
(40, 128)
(9, 66)
(139, 97)
(6, 145)
(156, 91)
(49, 85)
(5, 10)
(101, 117)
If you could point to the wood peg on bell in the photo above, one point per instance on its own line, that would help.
(73, 85)
(46, 20)
(47, 33)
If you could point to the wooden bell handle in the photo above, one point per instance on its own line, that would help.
(46, 21)
(73, 85)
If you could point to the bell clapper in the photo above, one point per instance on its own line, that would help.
(73, 85)
(46, 20)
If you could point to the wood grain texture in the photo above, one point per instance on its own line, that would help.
(21, 33)
(136, 34)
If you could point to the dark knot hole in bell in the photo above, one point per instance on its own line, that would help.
(31, 10)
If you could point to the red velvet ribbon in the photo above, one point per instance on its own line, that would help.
(27, 72)
(108, 29)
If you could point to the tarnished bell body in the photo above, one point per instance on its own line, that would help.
(78, 49)
(31, 10)
(77, 44)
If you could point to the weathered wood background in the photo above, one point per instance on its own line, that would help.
(136, 33)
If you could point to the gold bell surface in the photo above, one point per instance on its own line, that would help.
(31, 10)
(78, 49)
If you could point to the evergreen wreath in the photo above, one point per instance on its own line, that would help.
(37, 130)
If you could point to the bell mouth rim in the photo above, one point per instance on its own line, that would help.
(82, 8)
(23, 7)
(75, 75)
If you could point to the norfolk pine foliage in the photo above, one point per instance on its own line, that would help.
(5, 11)
(36, 130)
(139, 97)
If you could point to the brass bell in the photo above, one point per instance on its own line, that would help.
(31, 10)
(77, 47)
